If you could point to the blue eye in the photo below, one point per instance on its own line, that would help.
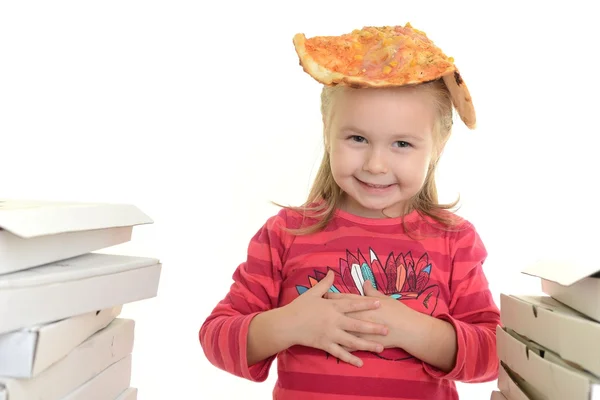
(402, 143)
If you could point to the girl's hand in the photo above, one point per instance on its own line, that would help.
(389, 314)
(427, 338)
(324, 324)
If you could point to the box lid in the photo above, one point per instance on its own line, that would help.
(128, 394)
(553, 377)
(26, 352)
(76, 268)
(29, 219)
(562, 271)
(550, 323)
(82, 364)
(88, 283)
(496, 395)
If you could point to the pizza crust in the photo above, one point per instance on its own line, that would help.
(461, 98)
(311, 67)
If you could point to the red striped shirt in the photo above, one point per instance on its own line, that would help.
(438, 273)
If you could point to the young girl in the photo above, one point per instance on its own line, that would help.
(371, 289)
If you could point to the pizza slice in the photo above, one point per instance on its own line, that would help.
(383, 57)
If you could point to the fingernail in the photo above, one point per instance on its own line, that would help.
(377, 303)
(379, 349)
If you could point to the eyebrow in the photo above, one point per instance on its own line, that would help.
(397, 136)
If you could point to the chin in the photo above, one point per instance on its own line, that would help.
(390, 208)
(374, 210)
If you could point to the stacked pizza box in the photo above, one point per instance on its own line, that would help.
(61, 295)
(549, 345)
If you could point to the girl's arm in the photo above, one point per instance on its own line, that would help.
(256, 285)
(268, 334)
(246, 330)
(461, 344)
(427, 338)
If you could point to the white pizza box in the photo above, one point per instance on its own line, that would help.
(33, 233)
(496, 395)
(90, 358)
(27, 352)
(561, 329)
(573, 282)
(75, 286)
(514, 387)
(107, 385)
(128, 394)
(545, 371)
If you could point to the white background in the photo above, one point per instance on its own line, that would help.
(199, 114)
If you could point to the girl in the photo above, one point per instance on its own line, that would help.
(371, 289)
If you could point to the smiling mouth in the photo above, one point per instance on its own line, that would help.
(374, 186)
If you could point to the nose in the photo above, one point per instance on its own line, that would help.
(375, 162)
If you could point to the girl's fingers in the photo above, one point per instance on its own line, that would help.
(354, 305)
(352, 342)
(343, 355)
(356, 325)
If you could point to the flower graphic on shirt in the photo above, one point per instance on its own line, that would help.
(400, 278)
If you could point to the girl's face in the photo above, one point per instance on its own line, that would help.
(380, 143)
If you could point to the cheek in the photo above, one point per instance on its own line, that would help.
(414, 168)
(334, 162)
(338, 166)
(340, 158)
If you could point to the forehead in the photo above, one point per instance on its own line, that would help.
(385, 111)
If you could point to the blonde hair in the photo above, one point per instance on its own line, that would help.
(326, 196)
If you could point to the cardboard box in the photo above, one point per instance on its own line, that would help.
(128, 394)
(75, 286)
(27, 352)
(100, 351)
(496, 395)
(33, 233)
(555, 326)
(516, 388)
(574, 283)
(108, 384)
(544, 370)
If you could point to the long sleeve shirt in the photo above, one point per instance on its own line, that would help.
(437, 272)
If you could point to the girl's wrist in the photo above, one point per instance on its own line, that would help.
(401, 327)
(285, 322)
